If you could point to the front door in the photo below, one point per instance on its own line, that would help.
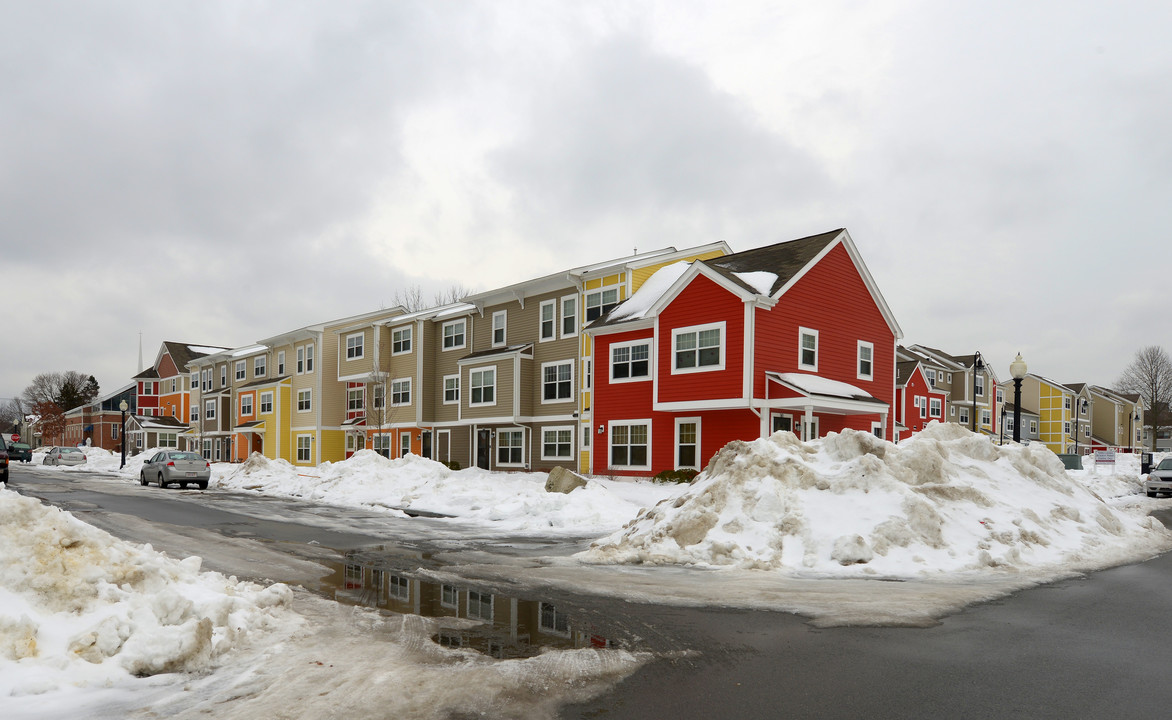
(483, 442)
(426, 448)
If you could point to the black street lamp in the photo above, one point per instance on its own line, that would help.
(1017, 369)
(978, 366)
(1130, 432)
(122, 432)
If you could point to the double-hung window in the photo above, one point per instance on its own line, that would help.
(630, 361)
(483, 386)
(209, 410)
(379, 393)
(807, 349)
(245, 404)
(980, 379)
(599, 302)
(240, 369)
(557, 381)
(687, 443)
(500, 322)
(630, 444)
(401, 392)
(300, 360)
(266, 402)
(698, 348)
(557, 443)
(936, 407)
(569, 316)
(510, 447)
(304, 400)
(451, 389)
(548, 314)
(453, 333)
(355, 399)
(866, 361)
(304, 454)
(354, 346)
(280, 362)
(401, 341)
(260, 366)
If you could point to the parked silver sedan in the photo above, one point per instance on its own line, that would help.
(169, 467)
(64, 456)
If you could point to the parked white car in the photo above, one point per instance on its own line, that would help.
(64, 456)
(176, 466)
(1160, 479)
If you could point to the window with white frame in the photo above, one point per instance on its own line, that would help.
(698, 348)
(304, 453)
(687, 443)
(479, 605)
(399, 588)
(1066, 428)
(266, 403)
(986, 417)
(630, 444)
(807, 349)
(1000, 395)
(1066, 402)
(355, 346)
(980, 380)
(304, 400)
(300, 360)
(207, 449)
(552, 621)
(557, 443)
(280, 362)
(246, 404)
(451, 389)
(224, 375)
(866, 358)
(195, 380)
(500, 332)
(1086, 430)
(260, 366)
(964, 416)
(381, 444)
(587, 379)
(557, 381)
(401, 392)
(194, 412)
(1009, 423)
(1033, 427)
(931, 374)
(401, 340)
(952, 411)
(355, 399)
(309, 358)
(936, 407)
(173, 383)
(207, 380)
(548, 315)
(379, 392)
(630, 361)
(449, 596)
(1082, 407)
(510, 447)
(569, 316)
(405, 444)
(453, 334)
(209, 410)
(483, 386)
(600, 302)
(241, 369)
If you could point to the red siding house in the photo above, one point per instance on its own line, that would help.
(794, 336)
(917, 402)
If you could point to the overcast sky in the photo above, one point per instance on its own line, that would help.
(219, 172)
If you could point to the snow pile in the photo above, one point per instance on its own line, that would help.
(853, 505)
(79, 607)
(511, 502)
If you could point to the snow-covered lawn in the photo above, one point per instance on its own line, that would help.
(773, 523)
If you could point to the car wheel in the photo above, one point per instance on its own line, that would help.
(1152, 494)
(203, 485)
(4, 477)
(142, 479)
(161, 483)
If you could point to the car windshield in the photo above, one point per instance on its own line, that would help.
(70, 450)
(1165, 464)
(185, 456)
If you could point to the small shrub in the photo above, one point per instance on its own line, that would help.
(453, 465)
(675, 476)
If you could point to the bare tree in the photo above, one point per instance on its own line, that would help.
(12, 412)
(455, 293)
(410, 298)
(1150, 375)
(51, 395)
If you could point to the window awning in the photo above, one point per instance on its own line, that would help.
(256, 427)
(803, 391)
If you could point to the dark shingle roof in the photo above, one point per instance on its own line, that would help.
(784, 259)
(904, 370)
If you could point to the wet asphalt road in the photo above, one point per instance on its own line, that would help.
(1093, 647)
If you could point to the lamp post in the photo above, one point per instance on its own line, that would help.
(1017, 369)
(978, 365)
(1130, 432)
(122, 432)
(1002, 441)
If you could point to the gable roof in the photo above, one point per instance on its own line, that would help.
(784, 260)
(183, 353)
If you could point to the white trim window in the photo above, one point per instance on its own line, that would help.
(401, 392)
(280, 362)
(401, 340)
(630, 444)
(699, 348)
(449, 596)
(356, 399)
(557, 443)
(980, 380)
(195, 412)
(224, 375)
(260, 366)
(453, 334)
(207, 380)
(355, 346)
(1000, 395)
(550, 620)
(195, 380)
(304, 400)
(451, 389)
(986, 418)
(687, 437)
(557, 381)
(500, 328)
(246, 404)
(300, 360)
(1086, 430)
(964, 416)
(510, 448)
(1066, 428)
(304, 448)
(600, 302)
(1033, 427)
(630, 361)
(309, 358)
(931, 374)
(404, 444)
(807, 349)
(209, 410)
(480, 605)
(482, 383)
(378, 395)
(266, 403)
(241, 369)
(547, 315)
(569, 316)
(937, 407)
(866, 364)
(877, 428)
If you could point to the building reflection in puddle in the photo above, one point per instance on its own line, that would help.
(488, 622)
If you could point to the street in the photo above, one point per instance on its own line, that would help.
(1090, 647)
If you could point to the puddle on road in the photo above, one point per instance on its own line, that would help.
(476, 618)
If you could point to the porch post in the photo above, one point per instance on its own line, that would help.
(807, 422)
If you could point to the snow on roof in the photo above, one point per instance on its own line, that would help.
(818, 385)
(760, 280)
(248, 350)
(205, 349)
(650, 292)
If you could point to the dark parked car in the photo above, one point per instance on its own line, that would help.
(3, 462)
(19, 451)
(176, 466)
